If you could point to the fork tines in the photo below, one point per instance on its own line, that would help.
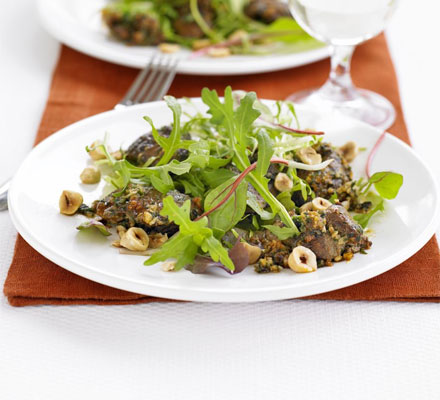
(153, 81)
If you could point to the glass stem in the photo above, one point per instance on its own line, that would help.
(339, 86)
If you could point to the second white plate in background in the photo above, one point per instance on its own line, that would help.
(78, 25)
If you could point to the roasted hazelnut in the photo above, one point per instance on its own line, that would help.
(168, 266)
(135, 239)
(306, 207)
(169, 48)
(201, 44)
(90, 175)
(239, 34)
(320, 204)
(121, 230)
(218, 52)
(349, 151)
(70, 202)
(283, 183)
(157, 240)
(308, 155)
(346, 204)
(147, 217)
(302, 259)
(117, 155)
(254, 252)
(96, 152)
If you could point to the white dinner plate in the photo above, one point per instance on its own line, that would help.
(55, 164)
(78, 24)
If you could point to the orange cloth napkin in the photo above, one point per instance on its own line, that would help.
(83, 86)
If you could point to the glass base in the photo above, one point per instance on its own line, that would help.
(361, 104)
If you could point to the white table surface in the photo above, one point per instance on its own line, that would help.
(297, 349)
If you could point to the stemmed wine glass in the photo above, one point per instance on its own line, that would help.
(344, 24)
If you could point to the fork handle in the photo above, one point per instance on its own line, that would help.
(4, 196)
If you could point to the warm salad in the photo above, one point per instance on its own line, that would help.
(241, 185)
(216, 28)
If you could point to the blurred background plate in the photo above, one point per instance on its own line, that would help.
(78, 25)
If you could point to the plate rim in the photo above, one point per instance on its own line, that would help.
(184, 67)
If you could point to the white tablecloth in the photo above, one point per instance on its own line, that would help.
(280, 350)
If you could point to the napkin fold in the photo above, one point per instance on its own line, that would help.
(83, 86)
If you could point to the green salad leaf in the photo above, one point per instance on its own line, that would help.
(253, 203)
(94, 224)
(203, 25)
(282, 233)
(289, 31)
(160, 140)
(163, 183)
(286, 200)
(180, 247)
(217, 252)
(121, 177)
(192, 236)
(232, 211)
(171, 144)
(364, 219)
(235, 122)
(221, 113)
(265, 153)
(387, 183)
(199, 154)
(244, 117)
(192, 184)
(215, 177)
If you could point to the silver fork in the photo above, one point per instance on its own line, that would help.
(153, 81)
(151, 84)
